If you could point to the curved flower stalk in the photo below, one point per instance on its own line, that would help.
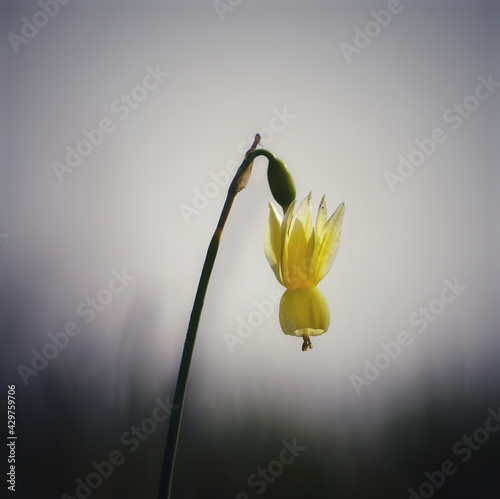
(300, 255)
(283, 190)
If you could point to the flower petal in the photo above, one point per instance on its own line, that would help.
(272, 242)
(300, 245)
(321, 218)
(327, 244)
(285, 229)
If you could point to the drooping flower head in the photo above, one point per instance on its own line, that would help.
(301, 254)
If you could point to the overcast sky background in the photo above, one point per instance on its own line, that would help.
(340, 124)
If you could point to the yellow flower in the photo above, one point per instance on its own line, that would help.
(300, 256)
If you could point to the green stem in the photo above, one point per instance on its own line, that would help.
(238, 183)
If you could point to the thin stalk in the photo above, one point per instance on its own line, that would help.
(239, 182)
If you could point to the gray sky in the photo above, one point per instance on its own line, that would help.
(179, 89)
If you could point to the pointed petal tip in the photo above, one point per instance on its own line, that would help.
(338, 214)
(340, 209)
(291, 208)
(322, 203)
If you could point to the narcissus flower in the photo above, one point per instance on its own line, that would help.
(300, 255)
